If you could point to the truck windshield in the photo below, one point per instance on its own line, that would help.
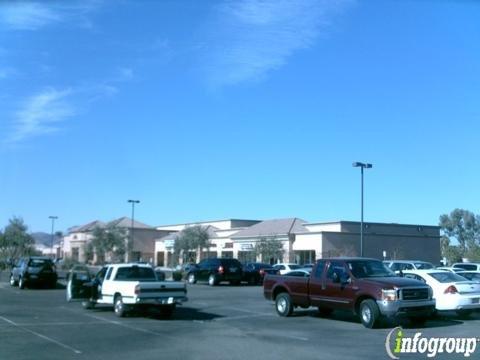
(367, 269)
(135, 273)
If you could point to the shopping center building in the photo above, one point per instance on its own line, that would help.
(304, 242)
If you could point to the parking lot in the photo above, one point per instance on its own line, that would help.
(223, 322)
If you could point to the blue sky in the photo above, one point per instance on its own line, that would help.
(238, 109)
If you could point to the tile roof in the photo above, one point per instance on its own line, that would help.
(273, 227)
(211, 230)
(126, 222)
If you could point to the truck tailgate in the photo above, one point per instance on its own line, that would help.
(161, 289)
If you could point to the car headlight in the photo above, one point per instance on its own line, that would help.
(389, 295)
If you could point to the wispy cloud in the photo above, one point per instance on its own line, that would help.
(33, 15)
(252, 37)
(41, 114)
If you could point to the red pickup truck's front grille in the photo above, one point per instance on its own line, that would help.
(415, 294)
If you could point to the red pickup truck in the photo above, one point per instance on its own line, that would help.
(364, 286)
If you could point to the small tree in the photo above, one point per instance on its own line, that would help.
(463, 227)
(16, 241)
(452, 253)
(108, 243)
(269, 249)
(193, 238)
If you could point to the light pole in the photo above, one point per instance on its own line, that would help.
(361, 166)
(53, 218)
(133, 202)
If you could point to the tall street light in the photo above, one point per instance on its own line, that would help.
(361, 166)
(133, 202)
(53, 218)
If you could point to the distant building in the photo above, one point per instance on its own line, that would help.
(74, 243)
(305, 242)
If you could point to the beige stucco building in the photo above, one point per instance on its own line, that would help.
(144, 236)
(304, 242)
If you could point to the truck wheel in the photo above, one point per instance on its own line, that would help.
(191, 279)
(283, 304)
(21, 283)
(87, 304)
(12, 280)
(119, 306)
(212, 280)
(369, 313)
(166, 311)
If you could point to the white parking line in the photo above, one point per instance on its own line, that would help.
(41, 336)
(118, 323)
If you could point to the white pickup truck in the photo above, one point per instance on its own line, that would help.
(125, 286)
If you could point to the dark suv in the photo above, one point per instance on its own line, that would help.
(215, 271)
(34, 270)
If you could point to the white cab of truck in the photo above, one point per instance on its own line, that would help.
(125, 287)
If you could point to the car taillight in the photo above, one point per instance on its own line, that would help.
(220, 269)
(262, 272)
(137, 289)
(451, 290)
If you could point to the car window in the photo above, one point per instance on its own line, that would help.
(294, 267)
(297, 274)
(109, 273)
(101, 274)
(338, 268)
(202, 263)
(319, 269)
(446, 277)
(424, 266)
(369, 268)
(409, 276)
(420, 278)
(135, 273)
(466, 266)
(36, 263)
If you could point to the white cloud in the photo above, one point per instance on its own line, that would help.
(125, 73)
(252, 37)
(41, 114)
(33, 15)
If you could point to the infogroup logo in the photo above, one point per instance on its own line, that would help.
(398, 343)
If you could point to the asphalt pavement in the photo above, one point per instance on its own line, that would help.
(223, 322)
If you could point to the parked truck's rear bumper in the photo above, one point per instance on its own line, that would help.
(158, 301)
(402, 307)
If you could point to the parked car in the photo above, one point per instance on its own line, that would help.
(283, 268)
(450, 291)
(309, 266)
(253, 273)
(467, 266)
(364, 286)
(470, 275)
(34, 270)
(124, 287)
(450, 269)
(399, 265)
(215, 271)
(303, 272)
